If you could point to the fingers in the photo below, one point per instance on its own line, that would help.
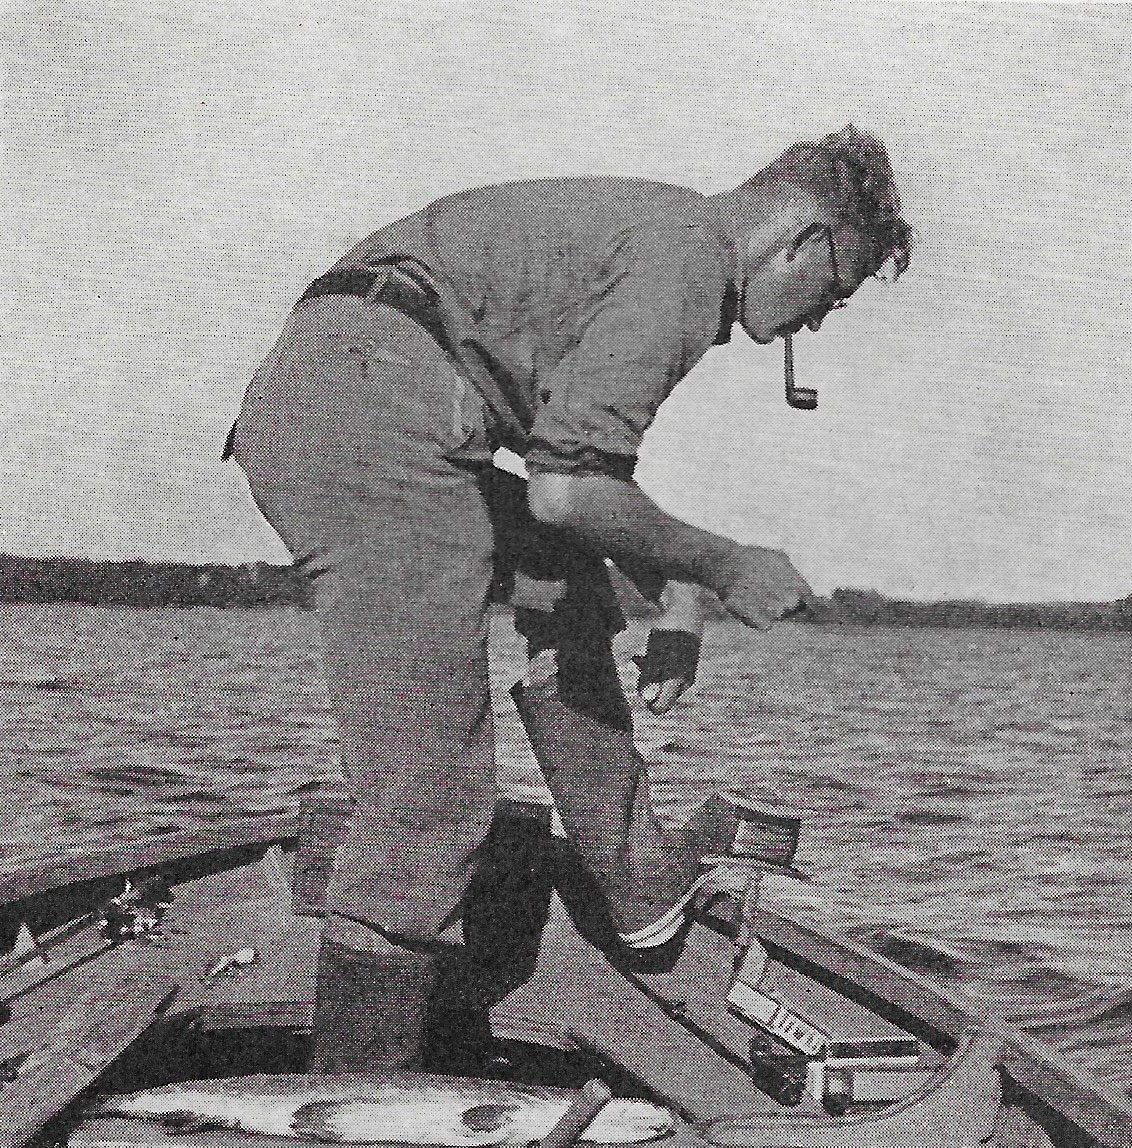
(806, 605)
(660, 697)
(809, 598)
(769, 589)
(755, 622)
(764, 617)
(753, 618)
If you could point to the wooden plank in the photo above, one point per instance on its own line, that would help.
(575, 988)
(54, 907)
(292, 1014)
(1014, 1129)
(506, 1023)
(29, 948)
(73, 1054)
(286, 949)
(38, 1008)
(209, 918)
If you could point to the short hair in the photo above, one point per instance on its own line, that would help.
(851, 172)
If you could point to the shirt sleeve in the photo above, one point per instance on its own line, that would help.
(648, 324)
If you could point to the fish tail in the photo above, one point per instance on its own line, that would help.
(176, 1120)
(629, 1122)
(118, 1104)
(149, 1102)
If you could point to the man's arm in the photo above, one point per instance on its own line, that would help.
(615, 516)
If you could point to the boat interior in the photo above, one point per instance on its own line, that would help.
(189, 961)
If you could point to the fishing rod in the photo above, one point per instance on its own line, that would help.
(135, 913)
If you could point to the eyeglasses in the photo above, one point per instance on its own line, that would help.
(838, 292)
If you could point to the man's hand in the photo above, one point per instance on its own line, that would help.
(662, 696)
(672, 656)
(764, 587)
(668, 668)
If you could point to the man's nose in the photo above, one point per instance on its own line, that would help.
(814, 322)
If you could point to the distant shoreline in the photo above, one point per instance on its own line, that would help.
(264, 585)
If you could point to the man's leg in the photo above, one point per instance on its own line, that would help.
(581, 729)
(415, 720)
(345, 436)
(504, 912)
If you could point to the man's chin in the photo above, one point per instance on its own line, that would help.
(766, 335)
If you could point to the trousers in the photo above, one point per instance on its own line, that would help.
(369, 455)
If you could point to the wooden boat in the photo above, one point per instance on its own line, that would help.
(181, 958)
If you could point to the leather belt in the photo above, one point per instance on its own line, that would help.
(393, 285)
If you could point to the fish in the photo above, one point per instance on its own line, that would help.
(404, 1108)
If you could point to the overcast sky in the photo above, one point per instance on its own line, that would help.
(177, 171)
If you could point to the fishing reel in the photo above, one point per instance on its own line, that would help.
(135, 914)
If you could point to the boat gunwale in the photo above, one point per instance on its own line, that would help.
(43, 875)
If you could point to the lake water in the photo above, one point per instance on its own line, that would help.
(970, 788)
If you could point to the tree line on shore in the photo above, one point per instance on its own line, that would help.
(264, 584)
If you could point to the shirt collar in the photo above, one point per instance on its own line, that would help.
(729, 309)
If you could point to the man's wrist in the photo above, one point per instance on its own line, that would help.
(682, 608)
(618, 518)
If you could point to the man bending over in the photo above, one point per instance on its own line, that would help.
(551, 317)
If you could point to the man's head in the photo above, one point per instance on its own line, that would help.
(818, 221)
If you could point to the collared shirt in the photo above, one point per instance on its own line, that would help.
(588, 299)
